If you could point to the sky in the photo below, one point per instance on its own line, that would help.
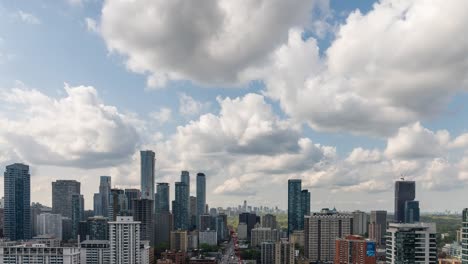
(348, 96)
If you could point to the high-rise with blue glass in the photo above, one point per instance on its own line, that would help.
(298, 205)
(201, 195)
(181, 206)
(147, 174)
(17, 210)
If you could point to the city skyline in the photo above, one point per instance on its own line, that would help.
(327, 92)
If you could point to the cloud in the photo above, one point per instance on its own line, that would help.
(27, 18)
(208, 42)
(162, 116)
(76, 130)
(400, 63)
(415, 141)
(188, 106)
(91, 25)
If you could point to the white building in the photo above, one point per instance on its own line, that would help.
(209, 237)
(145, 252)
(49, 224)
(95, 252)
(124, 240)
(263, 234)
(464, 236)
(27, 253)
(402, 238)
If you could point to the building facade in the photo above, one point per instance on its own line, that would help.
(378, 227)
(143, 212)
(162, 193)
(404, 191)
(132, 194)
(411, 211)
(464, 236)
(181, 206)
(49, 224)
(263, 234)
(95, 252)
(209, 237)
(298, 205)
(124, 241)
(105, 185)
(17, 211)
(39, 254)
(320, 232)
(269, 220)
(62, 193)
(147, 174)
(179, 240)
(360, 223)
(355, 250)
(411, 243)
(201, 196)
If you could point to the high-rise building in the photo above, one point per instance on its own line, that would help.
(143, 212)
(179, 240)
(378, 227)
(411, 243)
(359, 223)
(305, 202)
(94, 228)
(62, 192)
(95, 252)
(221, 226)
(464, 236)
(242, 231)
(263, 234)
(250, 220)
(132, 194)
(32, 253)
(185, 178)
(268, 253)
(49, 224)
(355, 250)
(17, 212)
(77, 213)
(147, 174)
(285, 252)
(97, 204)
(411, 211)
(164, 226)
(36, 210)
(404, 191)
(162, 193)
(269, 220)
(105, 194)
(201, 196)
(181, 204)
(124, 241)
(193, 212)
(321, 230)
(209, 237)
(206, 222)
(117, 204)
(295, 208)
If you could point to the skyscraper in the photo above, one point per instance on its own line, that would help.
(97, 204)
(411, 211)
(147, 174)
(17, 191)
(305, 201)
(378, 227)
(105, 192)
(250, 220)
(295, 208)
(404, 191)
(144, 213)
(411, 243)
(124, 240)
(162, 193)
(181, 206)
(359, 223)
(62, 192)
(201, 195)
(464, 236)
(193, 212)
(185, 178)
(132, 194)
(77, 207)
(269, 220)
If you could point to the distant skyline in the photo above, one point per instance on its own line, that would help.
(348, 96)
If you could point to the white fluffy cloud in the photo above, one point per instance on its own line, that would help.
(162, 116)
(208, 42)
(189, 107)
(76, 130)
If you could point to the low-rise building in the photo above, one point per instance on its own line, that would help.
(95, 252)
(28, 253)
(209, 237)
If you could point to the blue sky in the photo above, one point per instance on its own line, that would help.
(257, 108)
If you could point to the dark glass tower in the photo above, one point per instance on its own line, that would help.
(132, 194)
(143, 212)
(295, 208)
(147, 174)
(62, 192)
(105, 194)
(305, 200)
(162, 194)
(180, 206)
(201, 195)
(77, 213)
(411, 211)
(17, 211)
(404, 191)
